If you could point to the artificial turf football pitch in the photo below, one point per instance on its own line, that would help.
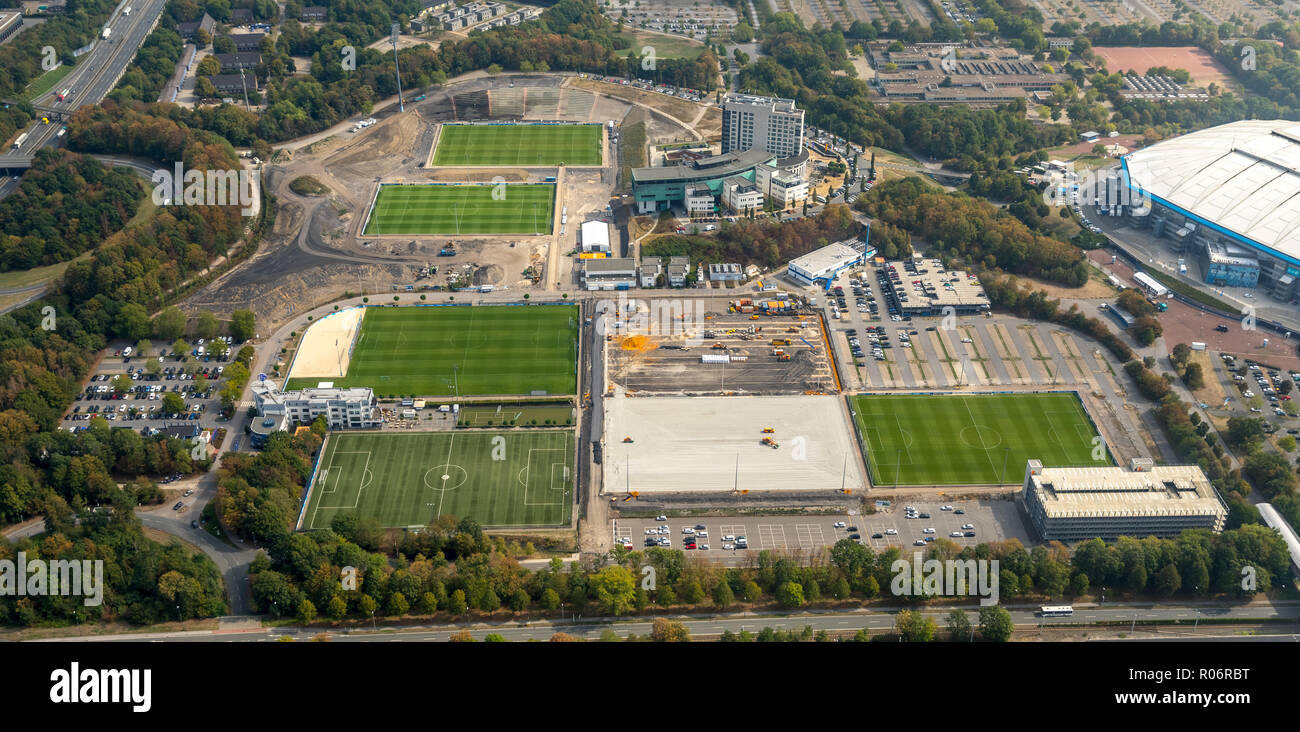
(497, 208)
(981, 439)
(545, 145)
(463, 350)
(517, 478)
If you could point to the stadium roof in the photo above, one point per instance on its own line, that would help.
(1242, 179)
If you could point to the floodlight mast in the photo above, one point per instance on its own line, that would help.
(401, 103)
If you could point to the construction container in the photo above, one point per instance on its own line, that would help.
(746, 308)
(739, 358)
(714, 358)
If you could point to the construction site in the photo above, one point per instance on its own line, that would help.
(730, 445)
(718, 347)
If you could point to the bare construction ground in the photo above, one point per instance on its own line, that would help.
(713, 444)
(313, 254)
(326, 348)
(649, 357)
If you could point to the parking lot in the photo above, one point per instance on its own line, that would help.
(140, 405)
(784, 533)
(896, 351)
(990, 521)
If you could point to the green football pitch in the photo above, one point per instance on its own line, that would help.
(409, 479)
(504, 208)
(461, 351)
(545, 145)
(980, 439)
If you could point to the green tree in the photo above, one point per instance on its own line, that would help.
(367, 606)
(173, 403)
(428, 603)
(1168, 581)
(397, 604)
(306, 611)
(615, 589)
(169, 324)
(337, 608)
(550, 599)
(723, 597)
(914, 627)
(669, 631)
(242, 325)
(789, 595)
(153, 367)
(694, 593)
(206, 326)
(995, 623)
(958, 624)
(122, 383)
(456, 604)
(752, 593)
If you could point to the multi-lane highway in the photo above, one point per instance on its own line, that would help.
(94, 76)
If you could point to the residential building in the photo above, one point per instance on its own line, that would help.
(1107, 502)
(188, 31)
(677, 270)
(230, 84)
(649, 272)
(247, 41)
(769, 124)
(236, 61)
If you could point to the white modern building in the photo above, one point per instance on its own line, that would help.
(740, 195)
(826, 262)
(595, 237)
(769, 124)
(343, 407)
(1076, 504)
(782, 188)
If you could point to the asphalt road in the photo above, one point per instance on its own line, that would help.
(94, 76)
(879, 619)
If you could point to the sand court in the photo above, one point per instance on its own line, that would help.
(326, 347)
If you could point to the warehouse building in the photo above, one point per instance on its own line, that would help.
(1077, 504)
(10, 23)
(618, 273)
(725, 272)
(926, 287)
(343, 408)
(1228, 194)
(827, 262)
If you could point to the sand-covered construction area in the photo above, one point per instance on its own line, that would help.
(326, 347)
(692, 444)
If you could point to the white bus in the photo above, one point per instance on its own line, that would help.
(1056, 611)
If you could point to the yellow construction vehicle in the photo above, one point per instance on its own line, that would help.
(718, 347)
(768, 430)
(627, 439)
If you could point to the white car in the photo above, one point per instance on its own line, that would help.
(955, 534)
(651, 531)
(661, 518)
(728, 546)
(688, 530)
(704, 547)
(891, 532)
(945, 508)
(928, 531)
(665, 542)
(840, 524)
(729, 537)
(967, 527)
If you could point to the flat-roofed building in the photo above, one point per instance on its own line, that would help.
(649, 272)
(826, 262)
(782, 188)
(677, 270)
(930, 289)
(699, 200)
(656, 189)
(615, 273)
(726, 272)
(740, 195)
(10, 23)
(770, 124)
(344, 408)
(1077, 504)
(236, 61)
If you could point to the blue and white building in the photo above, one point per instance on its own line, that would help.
(1231, 196)
(827, 262)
